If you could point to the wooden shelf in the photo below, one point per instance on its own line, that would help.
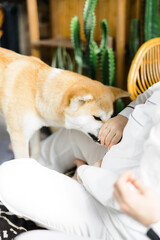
(117, 12)
(53, 42)
(59, 41)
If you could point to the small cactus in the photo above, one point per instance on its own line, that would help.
(62, 59)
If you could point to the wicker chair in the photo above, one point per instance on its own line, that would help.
(145, 68)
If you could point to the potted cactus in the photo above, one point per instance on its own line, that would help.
(88, 59)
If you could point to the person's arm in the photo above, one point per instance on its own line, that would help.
(141, 203)
(112, 131)
(139, 100)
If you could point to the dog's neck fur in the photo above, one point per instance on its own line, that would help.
(44, 102)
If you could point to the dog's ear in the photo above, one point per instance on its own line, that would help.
(76, 102)
(74, 98)
(118, 93)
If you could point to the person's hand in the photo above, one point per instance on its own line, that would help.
(143, 204)
(98, 163)
(78, 163)
(111, 132)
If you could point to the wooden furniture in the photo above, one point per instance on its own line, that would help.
(117, 12)
(33, 25)
(145, 68)
(121, 42)
(1, 19)
(61, 13)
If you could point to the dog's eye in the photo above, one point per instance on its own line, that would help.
(97, 118)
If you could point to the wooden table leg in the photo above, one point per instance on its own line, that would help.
(120, 43)
(33, 25)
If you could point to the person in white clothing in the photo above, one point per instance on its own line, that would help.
(88, 208)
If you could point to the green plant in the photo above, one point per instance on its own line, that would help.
(119, 106)
(152, 19)
(134, 37)
(75, 38)
(108, 66)
(88, 59)
(149, 23)
(62, 59)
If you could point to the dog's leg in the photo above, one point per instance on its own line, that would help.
(20, 145)
(35, 145)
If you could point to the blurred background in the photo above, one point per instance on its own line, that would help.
(97, 38)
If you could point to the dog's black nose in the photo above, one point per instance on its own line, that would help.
(94, 137)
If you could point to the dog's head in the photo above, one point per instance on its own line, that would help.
(88, 105)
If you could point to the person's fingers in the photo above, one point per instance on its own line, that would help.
(126, 177)
(119, 189)
(104, 135)
(117, 196)
(114, 140)
(123, 205)
(75, 175)
(104, 126)
(121, 184)
(98, 163)
(108, 139)
(140, 185)
(79, 162)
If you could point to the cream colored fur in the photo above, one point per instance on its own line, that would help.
(32, 95)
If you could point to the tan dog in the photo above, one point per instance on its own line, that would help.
(32, 95)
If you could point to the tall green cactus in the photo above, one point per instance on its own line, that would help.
(107, 60)
(152, 19)
(108, 66)
(89, 59)
(105, 31)
(92, 50)
(134, 41)
(75, 38)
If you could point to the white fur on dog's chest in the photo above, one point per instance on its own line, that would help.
(31, 123)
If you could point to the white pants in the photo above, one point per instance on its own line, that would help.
(60, 203)
(49, 235)
(52, 199)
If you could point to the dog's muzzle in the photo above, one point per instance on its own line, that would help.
(95, 139)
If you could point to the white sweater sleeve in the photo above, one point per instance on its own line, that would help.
(140, 100)
(98, 182)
